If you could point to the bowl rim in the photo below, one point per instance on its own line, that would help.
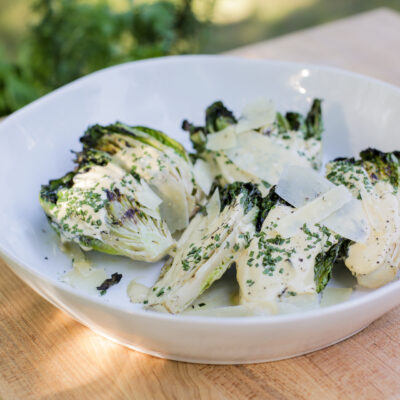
(306, 315)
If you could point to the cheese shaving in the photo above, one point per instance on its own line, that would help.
(256, 114)
(259, 155)
(225, 139)
(203, 175)
(314, 211)
(299, 185)
(349, 221)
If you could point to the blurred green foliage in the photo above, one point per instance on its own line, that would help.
(73, 37)
(57, 41)
(16, 88)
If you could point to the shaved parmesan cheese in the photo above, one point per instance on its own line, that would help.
(314, 211)
(87, 281)
(349, 221)
(203, 175)
(299, 185)
(221, 140)
(257, 114)
(146, 196)
(137, 292)
(174, 209)
(194, 229)
(259, 155)
(230, 172)
(213, 206)
(332, 296)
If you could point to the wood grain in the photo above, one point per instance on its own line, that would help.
(368, 43)
(44, 354)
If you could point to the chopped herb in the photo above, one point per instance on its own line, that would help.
(185, 265)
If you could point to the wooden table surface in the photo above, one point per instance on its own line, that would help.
(44, 354)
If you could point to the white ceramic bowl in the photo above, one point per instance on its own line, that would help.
(34, 146)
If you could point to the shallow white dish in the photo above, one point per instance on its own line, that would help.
(34, 146)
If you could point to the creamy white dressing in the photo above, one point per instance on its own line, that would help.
(198, 263)
(83, 275)
(80, 210)
(374, 262)
(89, 209)
(94, 211)
(371, 262)
(268, 272)
(352, 176)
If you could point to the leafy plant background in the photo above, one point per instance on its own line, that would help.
(71, 38)
(45, 44)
